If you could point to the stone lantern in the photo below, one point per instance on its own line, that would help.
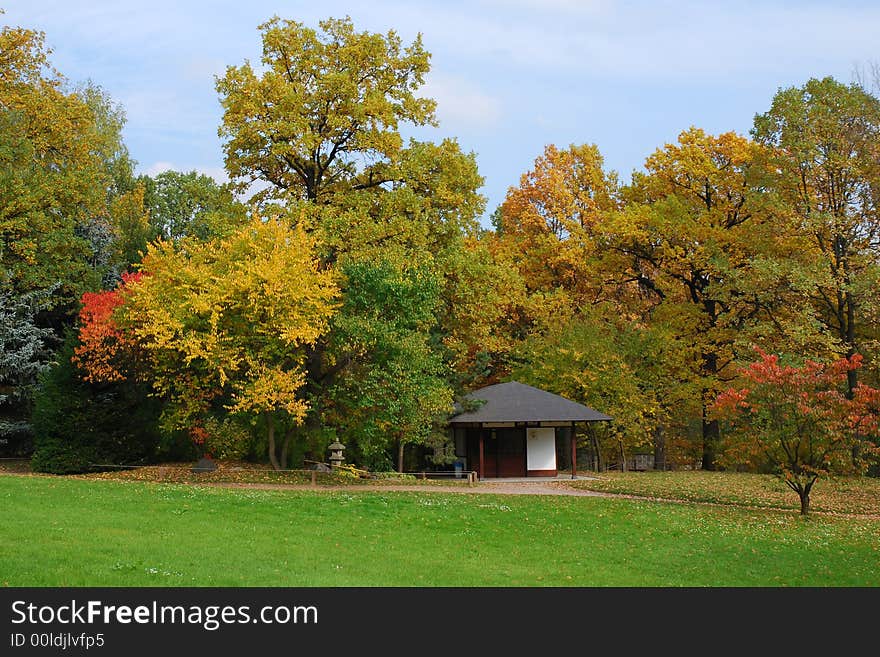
(336, 458)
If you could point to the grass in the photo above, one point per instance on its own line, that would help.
(75, 532)
(843, 495)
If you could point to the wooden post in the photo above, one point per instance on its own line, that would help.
(314, 477)
(574, 455)
(480, 472)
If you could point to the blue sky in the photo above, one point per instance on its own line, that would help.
(510, 76)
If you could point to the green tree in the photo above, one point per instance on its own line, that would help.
(394, 388)
(632, 372)
(825, 141)
(80, 425)
(129, 224)
(190, 204)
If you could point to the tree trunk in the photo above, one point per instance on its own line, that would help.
(622, 456)
(270, 423)
(804, 493)
(852, 377)
(711, 434)
(659, 448)
(805, 501)
(400, 445)
(285, 447)
(601, 466)
(711, 430)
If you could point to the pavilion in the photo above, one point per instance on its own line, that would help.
(518, 430)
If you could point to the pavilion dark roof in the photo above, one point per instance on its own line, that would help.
(518, 402)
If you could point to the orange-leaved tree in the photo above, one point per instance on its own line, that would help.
(104, 351)
(550, 219)
(799, 420)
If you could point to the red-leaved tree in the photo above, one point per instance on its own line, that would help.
(103, 348)
(800, 421)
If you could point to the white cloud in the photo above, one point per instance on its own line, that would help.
(159, 167)
(217, 173)
(461, 103)
(650, 41)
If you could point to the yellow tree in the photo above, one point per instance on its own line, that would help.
(56, 154)
(228, 323)
(703, 240)
(548, 223)
(318, 126)
(537, 267)
(324, 113)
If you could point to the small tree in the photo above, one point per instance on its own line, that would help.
(800, 420)
(216, 327)
(24, 354)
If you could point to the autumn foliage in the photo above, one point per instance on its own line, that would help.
(104, 347)
(800, 421)
(220, 325)
(375, 295)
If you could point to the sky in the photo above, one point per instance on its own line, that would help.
(509, 76)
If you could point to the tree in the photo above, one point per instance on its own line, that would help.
(325, 113)
(227, 323)
(699, 236)
(62, 162)
(58, 151)
(632, 372)
(104, 352)
(321, 125)
(190, 205)
(25, 352)
(552, 216)
(825, 141)
(537, 269)
(394, 386)
(80, 425)
(129, 223)
(485, 311)
(799, 420)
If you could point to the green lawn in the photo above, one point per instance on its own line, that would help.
(73, 532)
(852, 495)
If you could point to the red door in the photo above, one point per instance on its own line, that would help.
(511, 452)
(504, 452)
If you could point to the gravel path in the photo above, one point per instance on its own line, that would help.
(492, 488)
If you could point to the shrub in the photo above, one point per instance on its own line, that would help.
(78, 424)
(227, 438)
